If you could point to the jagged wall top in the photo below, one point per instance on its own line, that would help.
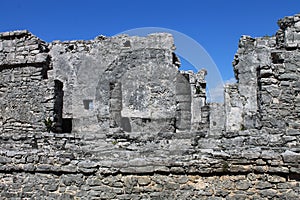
(86, 68)
(247, 147)
(22, 47)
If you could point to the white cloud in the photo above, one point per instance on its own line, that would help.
(231, 80)
(217, 94)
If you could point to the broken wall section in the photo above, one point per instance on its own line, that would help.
(279, 83)
(267, 93)
(252, 54)
(240, 110)
(90, 70)
(243, 100)
(144, 77)
(194, 85)
(26, 94)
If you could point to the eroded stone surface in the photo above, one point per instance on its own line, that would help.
(127, 124)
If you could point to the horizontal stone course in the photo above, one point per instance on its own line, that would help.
(114, 118)
(131, 186)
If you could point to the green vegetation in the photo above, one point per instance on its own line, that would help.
(242, 127)
(114, 142)
(225, 166)
(49, 124)
(198, 89)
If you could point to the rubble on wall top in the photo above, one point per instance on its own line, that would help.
(14, 34)
(288, 21)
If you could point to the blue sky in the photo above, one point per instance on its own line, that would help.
(216, 24)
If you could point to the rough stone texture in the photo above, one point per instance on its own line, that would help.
(157, 186)
(127, 124)
(26, 94)
(127, 82)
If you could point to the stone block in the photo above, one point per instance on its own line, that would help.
(87, 164)
(291, 157)
(293, 132)
(4, 160)
(183, 98)
(269, 193)
(289, 76)
(263, 185)
(144, 180)
(183, 88)
(276, 179)
(243, 185)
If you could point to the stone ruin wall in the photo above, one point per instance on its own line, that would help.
(124, 76)
(128, 125)
(25, 93)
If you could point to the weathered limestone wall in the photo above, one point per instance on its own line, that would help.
(250, 186)
(170, 166)
(26, 95)
(141, 128)
(217, 120)
(143, 68)
(233, 109)
(146, 78)
(273, 67)
(266, 95)
(279, 81)
(197, 92)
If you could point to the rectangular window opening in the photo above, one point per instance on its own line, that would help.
(88, 104)
(67, 125)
